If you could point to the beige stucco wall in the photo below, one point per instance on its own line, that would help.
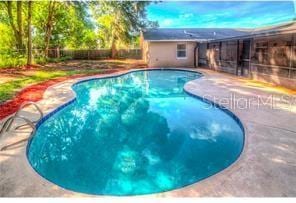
(164, 54)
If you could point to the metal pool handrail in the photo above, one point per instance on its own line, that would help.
(7, 124)
(28, 104)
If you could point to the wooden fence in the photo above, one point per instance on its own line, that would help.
(94, 54)
(91, 54)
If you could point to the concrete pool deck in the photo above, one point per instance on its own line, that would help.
(267, 166)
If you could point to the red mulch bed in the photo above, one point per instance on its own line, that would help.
(35, 93)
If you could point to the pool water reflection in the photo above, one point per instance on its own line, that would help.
(139, 133)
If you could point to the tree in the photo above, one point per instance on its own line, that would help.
(119, 21)
(67, 24)
(49, 24)
(29, 57)
(17, 29)
(7, 40)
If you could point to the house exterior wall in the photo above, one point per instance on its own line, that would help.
(272, 59)
(164, 54)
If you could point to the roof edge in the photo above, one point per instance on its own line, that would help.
(177, 40)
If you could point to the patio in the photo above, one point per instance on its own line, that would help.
(266, 167)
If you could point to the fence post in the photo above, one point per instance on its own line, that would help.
(58, 52)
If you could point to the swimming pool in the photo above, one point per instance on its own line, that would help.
(137, 133)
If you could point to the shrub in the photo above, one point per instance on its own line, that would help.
(12, 59)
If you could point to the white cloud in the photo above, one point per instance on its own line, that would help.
(167, 22)
(210, 132)
(186, 15)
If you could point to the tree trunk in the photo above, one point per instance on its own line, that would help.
(49, 24)
(17, 31)
(19, 5)
(29, 58)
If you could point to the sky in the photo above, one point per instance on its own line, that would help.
(232, 14)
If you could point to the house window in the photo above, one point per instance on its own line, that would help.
(181, 51)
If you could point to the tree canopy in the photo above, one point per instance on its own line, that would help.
(119, 22)
(72, 25)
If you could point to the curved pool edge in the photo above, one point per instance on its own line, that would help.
(121, 73)
(241, 124)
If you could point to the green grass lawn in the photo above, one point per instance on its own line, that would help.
(14, 79)
(8, 89)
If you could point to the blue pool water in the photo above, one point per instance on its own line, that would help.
(138, 133)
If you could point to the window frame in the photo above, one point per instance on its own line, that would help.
(177, 50)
